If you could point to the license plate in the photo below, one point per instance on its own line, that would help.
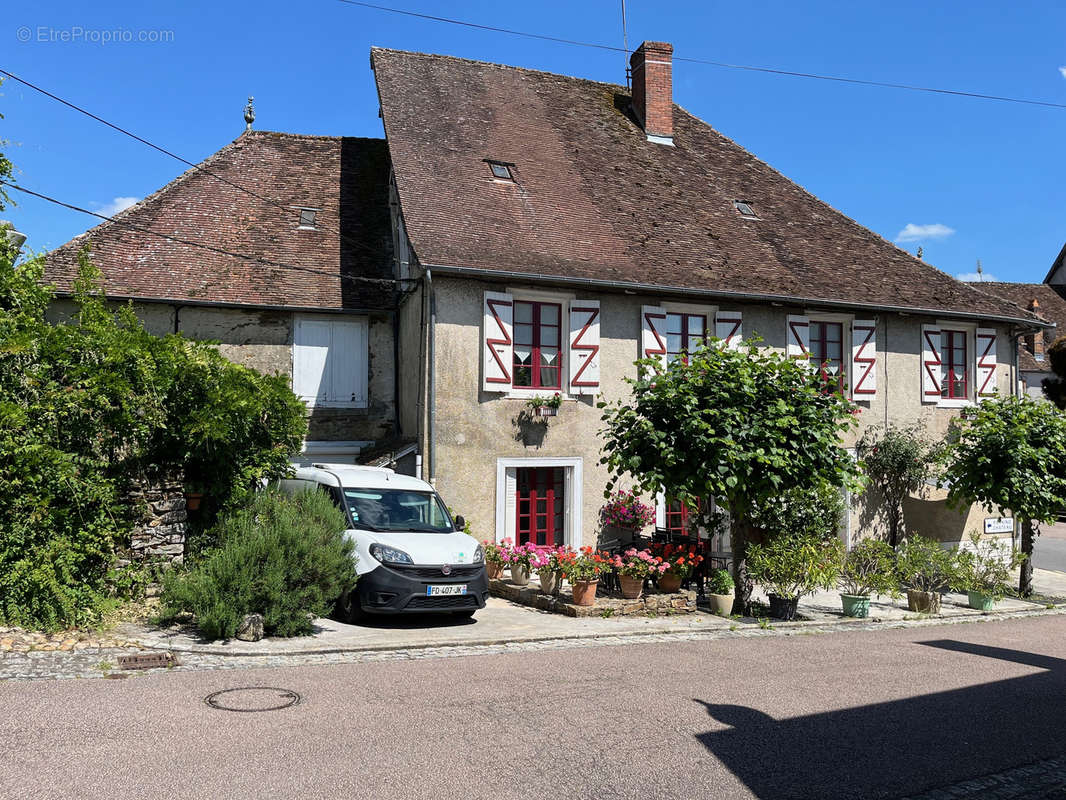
(451, 588)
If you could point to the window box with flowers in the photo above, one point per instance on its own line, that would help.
(545, 406)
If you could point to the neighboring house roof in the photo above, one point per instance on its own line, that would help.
(595, 201)
(347, 179)
(1052, 302)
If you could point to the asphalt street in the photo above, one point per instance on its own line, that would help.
(849, 715)
(1049, 550)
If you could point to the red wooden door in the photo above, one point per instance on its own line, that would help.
(539, 505)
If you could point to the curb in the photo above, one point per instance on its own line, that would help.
(743, 629)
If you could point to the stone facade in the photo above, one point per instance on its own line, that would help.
(159, 535)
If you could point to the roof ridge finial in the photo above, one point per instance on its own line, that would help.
(980, 271)
(249, 114)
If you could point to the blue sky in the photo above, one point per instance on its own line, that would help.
(966, 179)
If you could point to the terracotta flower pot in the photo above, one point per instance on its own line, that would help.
(721, 604)
(519, 574)
(669, 582)
(585, 593)
(495, 571)
(549, 580)
(632, 588)
(192, 500)
(923, 602)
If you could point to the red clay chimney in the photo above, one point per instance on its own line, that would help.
(653, 100)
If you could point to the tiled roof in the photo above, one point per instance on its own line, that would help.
(594, 200)
(346, 178)
(1052, 300)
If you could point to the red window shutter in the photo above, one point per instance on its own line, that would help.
(497, 341)
(727, 327)
(584, 346)
(864, 359)
(653, 333)
(931, 364)
(986, 362)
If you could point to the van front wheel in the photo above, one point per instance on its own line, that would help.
(349, 609)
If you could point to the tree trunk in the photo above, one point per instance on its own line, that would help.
(739, 534)
(895, 517)
(1025, 573)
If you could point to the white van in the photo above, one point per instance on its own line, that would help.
(412, 557)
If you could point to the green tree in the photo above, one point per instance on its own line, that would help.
(740, 425)
(1055, 388)
(1010, 454)
(897, 461)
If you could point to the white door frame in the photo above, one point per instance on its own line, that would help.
(571, 509)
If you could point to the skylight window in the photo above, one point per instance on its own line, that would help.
(501, 170)
(307, 218)
(745, 209)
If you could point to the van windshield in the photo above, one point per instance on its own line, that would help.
(397, 510)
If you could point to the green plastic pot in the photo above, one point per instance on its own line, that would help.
(856, 605)
(980, 601)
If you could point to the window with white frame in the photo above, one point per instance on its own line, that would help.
(827, 351)
(684, 334)
(958, 363)
(330, 361)
(954, 365)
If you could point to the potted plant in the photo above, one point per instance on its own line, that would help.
(547, 562)
(680, 562)
(624, 516)
(583, 571)
(868, 568)
(720, 592)
(520, 560)
(545, 406)
(927, 570)
(984, 572)
(495, 558)
(194, 494)
(633, 568)
(789, 567)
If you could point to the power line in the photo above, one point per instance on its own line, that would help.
(219, 250)
(706, 62)
(175, 156)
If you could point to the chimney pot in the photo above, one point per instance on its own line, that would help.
(653, 101)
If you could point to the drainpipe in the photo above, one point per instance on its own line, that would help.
(431, 369)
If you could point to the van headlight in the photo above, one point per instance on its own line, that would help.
(389, 555)
(479, 555)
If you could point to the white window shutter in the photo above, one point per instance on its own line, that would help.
(931, 371)
(864, 359)
(510, 505)
(653, 333)
(348, 359)
(497, 342)
(660, 510)
(986, 362)
(798, 337)
(727, 327)
(310, 361)
(584, 346)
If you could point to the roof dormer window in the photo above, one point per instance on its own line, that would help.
(501, 170)
(745, 210)
(308, 217)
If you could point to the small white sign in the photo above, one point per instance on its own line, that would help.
(999, 524)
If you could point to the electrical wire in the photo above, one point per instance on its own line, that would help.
(164, 151)
(706, 62)
(199, 245)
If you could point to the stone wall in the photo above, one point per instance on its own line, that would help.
(159, 535)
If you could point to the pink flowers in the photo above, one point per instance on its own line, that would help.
(638, 564)
(625, 510)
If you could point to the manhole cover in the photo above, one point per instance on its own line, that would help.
(253, 698)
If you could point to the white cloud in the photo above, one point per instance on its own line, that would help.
(116, 205)
(974, 277)
(916, 233)
(1062, 70)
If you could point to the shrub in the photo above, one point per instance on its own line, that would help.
(283, 557)
(805, 511)
(869, 568)
(924, 566)
(897, 461)
(986, 568)
(793, 566)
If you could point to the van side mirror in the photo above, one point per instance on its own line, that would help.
(460, 523)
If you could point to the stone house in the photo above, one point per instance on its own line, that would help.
(561, 228)
(1048, 299)
(279, 247)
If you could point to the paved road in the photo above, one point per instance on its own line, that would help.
(1049, 551)
(880, 714)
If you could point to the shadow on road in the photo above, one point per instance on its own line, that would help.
(902, 747)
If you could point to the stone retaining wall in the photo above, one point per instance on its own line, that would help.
(531, 595)
(160, 535)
